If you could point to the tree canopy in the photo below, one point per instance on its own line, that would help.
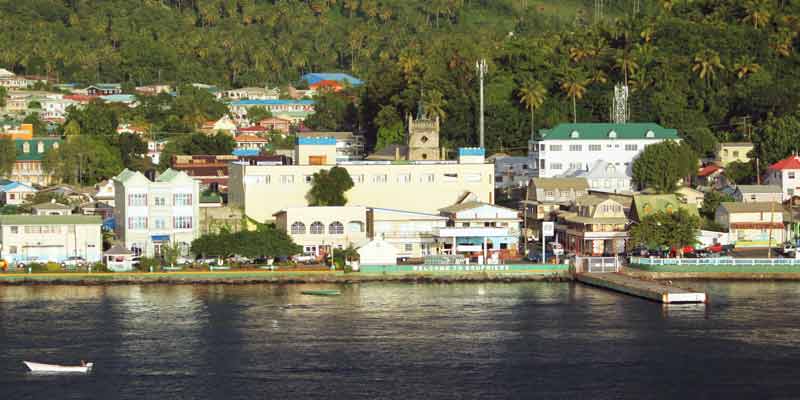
(266, 241)
(196, 144)
(662, 165)
(83, 160)
(328, 187)
(671, 230)
(8, 155)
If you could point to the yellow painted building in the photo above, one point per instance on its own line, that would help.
(727, 153)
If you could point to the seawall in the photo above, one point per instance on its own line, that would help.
(259, 277)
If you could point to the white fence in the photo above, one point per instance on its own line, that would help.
(597, 264)
(715, 261)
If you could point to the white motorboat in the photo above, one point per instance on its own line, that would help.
(85, 368)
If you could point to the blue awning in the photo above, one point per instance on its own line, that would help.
(160, 238)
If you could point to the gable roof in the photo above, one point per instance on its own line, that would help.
(708, 170)
(791, 162)
(250, 138)
(51, 206)
(171, 175)
(33, 153)
(757, 206)
(601, 170)
(560, 183)
(648, 204)
(601, 131)
(117, 250)
(755, 189)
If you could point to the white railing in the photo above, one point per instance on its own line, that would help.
(715, 261)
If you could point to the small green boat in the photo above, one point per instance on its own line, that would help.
(322, 292)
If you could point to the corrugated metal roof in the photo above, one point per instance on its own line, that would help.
(50, 220)
(315, 77)
(758, 206)
(598, 131)
(754, 189)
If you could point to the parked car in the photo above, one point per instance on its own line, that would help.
(304, 258)
(74, 262)
(29, 260)
(536, 256)
(208, 261)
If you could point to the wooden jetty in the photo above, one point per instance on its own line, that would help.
(652, 290)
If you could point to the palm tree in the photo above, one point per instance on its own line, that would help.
(532, 94)
(578, 53)
(756, 13)
(574, 86)
(625, 63)
(745, 66)
(351, 6)
(408, 63)
(705, 63)
(434, 105)
(781, 41)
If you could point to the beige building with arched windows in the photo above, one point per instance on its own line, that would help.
(320, 229)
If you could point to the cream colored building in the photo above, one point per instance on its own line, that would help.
(51, 238)
(320, 229)
(419, 186)
(758, 224)
(726, 153)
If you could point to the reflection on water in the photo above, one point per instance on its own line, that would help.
(544, 340)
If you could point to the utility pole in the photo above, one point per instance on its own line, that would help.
(771, 221)
(758, 172)
(481, 67)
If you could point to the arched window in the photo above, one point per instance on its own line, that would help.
(612, 135)
(299, 228)
(40, 147)
(650, 134)
(26, 147)
(317, 228)
(336, 228)
(575, 134)
(355, 226)
(55, 145)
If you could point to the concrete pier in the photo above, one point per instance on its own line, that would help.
(646, 289)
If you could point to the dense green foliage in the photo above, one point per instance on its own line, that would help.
(699, 66)
(662, 165)
(711, 202)
(196, 144)
(264, 242)
(328, 187)
(741, 173)
(8, 155)
(83, 160)
(671, 230)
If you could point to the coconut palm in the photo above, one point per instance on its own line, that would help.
(781, 42)
(434, 104)
(756, 13)
(745, 66)
(532, 94)
(706, 63)
(625, 63)
(574, 86)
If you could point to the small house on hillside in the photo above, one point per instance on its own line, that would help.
(757, 193)
(757, 224)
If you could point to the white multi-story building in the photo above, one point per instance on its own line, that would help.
(50, 238)
(786, 174)
(569, 149)
(511, 171)
(152, 214)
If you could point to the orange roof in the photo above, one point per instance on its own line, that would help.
(326, 83)
(249, 138)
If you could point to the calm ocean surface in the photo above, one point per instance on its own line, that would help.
(423, 341)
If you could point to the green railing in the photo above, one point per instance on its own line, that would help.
(465, 268)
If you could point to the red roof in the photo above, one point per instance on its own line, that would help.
(80, 98)
(249, 138)
(708, 170)
(791, 162)
(254, 128)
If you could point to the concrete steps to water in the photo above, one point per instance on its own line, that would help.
(651, 290)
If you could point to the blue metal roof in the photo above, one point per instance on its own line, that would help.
(246, 152)
(324, 140)
(119, 98)
(471, 151)
(271, 102)
(13, 185)
(315, 77)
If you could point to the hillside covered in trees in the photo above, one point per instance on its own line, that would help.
(713, 69)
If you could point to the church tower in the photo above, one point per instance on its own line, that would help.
(423, 139)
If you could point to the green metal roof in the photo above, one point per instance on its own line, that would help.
(33, 153)
(601, 131)
(649, 204)
(125, 175)
(50, 220)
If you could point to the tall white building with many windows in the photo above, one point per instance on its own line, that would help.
(574, 149)
(152, 214)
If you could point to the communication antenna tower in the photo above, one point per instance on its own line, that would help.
(620, 113)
